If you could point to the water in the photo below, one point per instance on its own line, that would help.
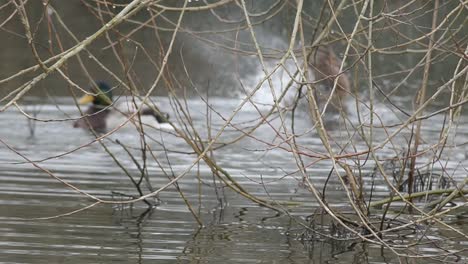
(235, 230)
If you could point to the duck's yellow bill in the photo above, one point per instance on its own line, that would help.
(86, 99)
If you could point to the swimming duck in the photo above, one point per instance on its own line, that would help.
(103, 114)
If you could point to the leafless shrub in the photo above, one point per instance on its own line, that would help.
(355, 55)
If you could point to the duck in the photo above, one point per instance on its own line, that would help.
(326, 66)
(104, 114)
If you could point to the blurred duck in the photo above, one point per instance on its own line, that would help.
(326, 66)
(103, 114)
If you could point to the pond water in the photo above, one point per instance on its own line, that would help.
(235, 229)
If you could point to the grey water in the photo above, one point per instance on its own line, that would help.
(44, 220)
(235, 229)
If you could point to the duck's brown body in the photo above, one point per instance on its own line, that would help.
(97, 118)
(326, 66)
(94, 118)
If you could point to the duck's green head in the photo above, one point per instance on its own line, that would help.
(102, 95)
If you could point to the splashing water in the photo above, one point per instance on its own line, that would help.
(284, 86)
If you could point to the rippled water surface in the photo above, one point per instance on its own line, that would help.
(235, 230)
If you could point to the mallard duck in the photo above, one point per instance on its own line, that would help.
(103, 114)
